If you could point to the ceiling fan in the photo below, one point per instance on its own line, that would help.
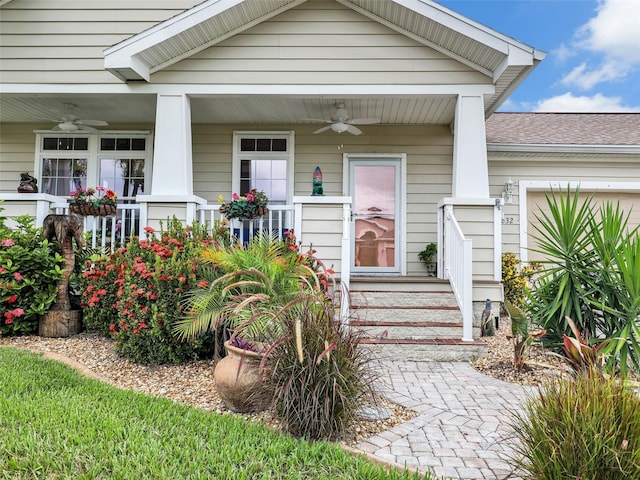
(340, 121)
(72, 124)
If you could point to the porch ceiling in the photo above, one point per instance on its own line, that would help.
(128, 109)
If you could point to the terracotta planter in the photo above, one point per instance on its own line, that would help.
(239, 380)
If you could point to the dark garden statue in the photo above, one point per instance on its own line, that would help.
(61, 320)
(28, 184)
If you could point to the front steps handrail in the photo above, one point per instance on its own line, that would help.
(458, 261)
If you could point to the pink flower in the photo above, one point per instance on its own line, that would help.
(12, 299)
(18, 312)
(249, 197)
(235, 196)
(149, 230)
(7, 242)
(17, 276)
(8, 318)
(100, 188)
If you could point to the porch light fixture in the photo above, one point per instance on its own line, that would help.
(508, 191)
(339, 127)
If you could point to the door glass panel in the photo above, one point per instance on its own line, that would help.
(374, 207)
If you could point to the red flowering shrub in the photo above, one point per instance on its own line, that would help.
(136, 295)
(29, 270)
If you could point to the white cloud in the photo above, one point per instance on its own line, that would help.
(614, 31)
(562, 53)
(613, 34)
(571, 103)
(581, 77)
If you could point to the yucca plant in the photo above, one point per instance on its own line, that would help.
(591, 275)
(561, 289)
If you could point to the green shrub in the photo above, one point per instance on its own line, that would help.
(319, 373)
(515, 278)
(587, 429)
(29, 270)
(137, 294)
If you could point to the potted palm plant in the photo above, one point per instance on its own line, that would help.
(254, 283)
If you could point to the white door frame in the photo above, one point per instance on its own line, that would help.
(401, 202)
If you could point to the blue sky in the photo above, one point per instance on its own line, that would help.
(593, 51)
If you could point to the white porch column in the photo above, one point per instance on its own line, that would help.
(172, 159)
(470, 169)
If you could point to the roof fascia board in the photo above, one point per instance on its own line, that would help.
(513, 85)
(562, 148)
(415, 37)
(517, 53)
(354, 91)
(457, 22)
(518, 57)
(4, 2)
(172, 26)
(117, 55)
(118, 62)
(466, 26)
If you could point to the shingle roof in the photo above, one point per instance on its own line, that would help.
(564, 128)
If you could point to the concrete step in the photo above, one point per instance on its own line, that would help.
(411, 319)
(409, 314)
(390, 284)
(403, 299)
(437, 349)
(409, 330)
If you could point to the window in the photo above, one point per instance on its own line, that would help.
(264, 161)
(64, 164)
(122, 167)
(117, 161)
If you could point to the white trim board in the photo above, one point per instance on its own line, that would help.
(545, 185)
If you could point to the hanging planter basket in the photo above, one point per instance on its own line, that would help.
(91, 210)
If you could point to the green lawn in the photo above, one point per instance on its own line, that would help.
(55, 424)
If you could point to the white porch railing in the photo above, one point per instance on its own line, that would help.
(458, 269)
(113, 231)
(278, 220)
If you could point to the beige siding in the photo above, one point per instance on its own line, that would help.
(43, 41)
(552, 168)
(160, 212)
(322, 231)
(12, 209)
(319, 42)
(17, 154)
(477, 225)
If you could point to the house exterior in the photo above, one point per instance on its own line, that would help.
(176, 103)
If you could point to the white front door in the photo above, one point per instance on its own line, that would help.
(375, 184)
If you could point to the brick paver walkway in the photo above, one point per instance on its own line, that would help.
(462, 427)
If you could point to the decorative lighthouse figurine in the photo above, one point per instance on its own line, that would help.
(317, 183)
